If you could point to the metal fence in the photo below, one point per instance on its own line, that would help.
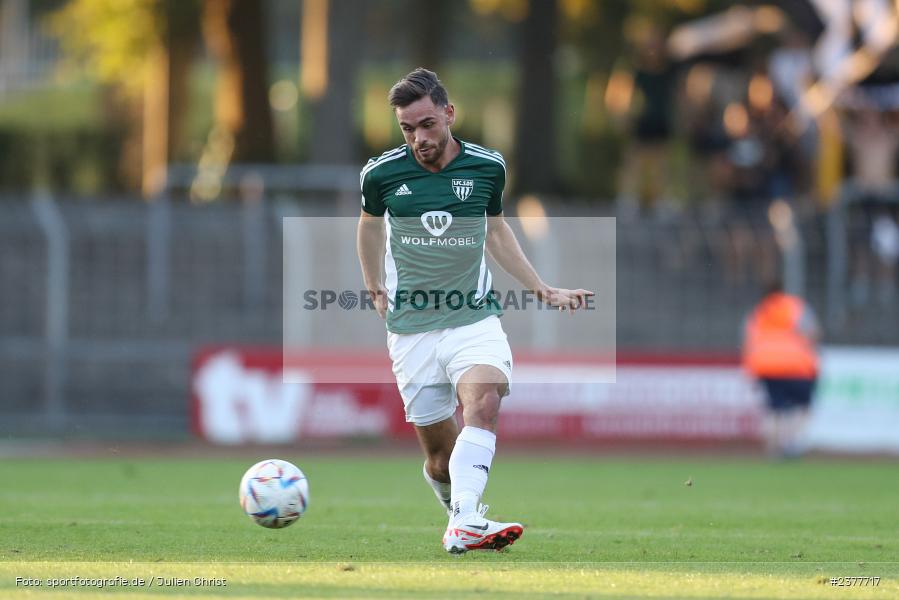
(102, 304)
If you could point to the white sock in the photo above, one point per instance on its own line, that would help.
(469, 466)
(441, 490)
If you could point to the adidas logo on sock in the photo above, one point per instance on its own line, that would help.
(403, 190)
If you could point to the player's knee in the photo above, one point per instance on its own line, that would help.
(483, 408)
(490, 400)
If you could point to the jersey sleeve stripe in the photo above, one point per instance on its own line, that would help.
(483, 149)
(388, 154)
(386, 157)
(373, 162)
(487, 156)
(401, 148)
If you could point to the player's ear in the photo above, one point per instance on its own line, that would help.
(450, 114)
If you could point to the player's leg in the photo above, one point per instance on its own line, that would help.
(432, 412)
(478, 362)
(437, 441)
(429, 403)
(480, 390)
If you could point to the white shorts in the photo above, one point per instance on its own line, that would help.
(428, 365)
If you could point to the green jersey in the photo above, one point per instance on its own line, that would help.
(437, 275)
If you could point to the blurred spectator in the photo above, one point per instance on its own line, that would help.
(785, 164)
(766, 166)
(779, 342)
(709, 168)
(872, 139)
(791, 72)
(790, 67)
(746, 152)
(645, 177)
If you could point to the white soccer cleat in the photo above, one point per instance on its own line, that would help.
(474, 532)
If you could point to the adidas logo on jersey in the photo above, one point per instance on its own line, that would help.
(403, 190)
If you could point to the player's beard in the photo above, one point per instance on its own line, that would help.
(437, 151)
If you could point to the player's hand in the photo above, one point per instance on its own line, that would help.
(379, 298)
(563, 298)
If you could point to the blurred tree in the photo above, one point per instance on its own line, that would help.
(143, 49)
(234, 34)
(182, 40)
(429, 32)
(535, 140)
(336, 59)
(593, 30)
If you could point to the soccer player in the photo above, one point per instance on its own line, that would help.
(430, 209)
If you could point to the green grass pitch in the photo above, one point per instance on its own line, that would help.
(595, 528)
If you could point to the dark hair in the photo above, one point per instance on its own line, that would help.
(415, 86)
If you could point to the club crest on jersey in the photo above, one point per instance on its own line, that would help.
(436, 222)
(463, 188)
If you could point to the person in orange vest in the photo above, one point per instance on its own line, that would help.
(779, 350)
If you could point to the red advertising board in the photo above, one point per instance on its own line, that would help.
(239, 397)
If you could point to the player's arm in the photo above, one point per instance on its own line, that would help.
(370, 239)
(503, 247)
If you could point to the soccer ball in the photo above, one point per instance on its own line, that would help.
(274, 493)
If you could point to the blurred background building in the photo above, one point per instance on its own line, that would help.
(149, 150)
